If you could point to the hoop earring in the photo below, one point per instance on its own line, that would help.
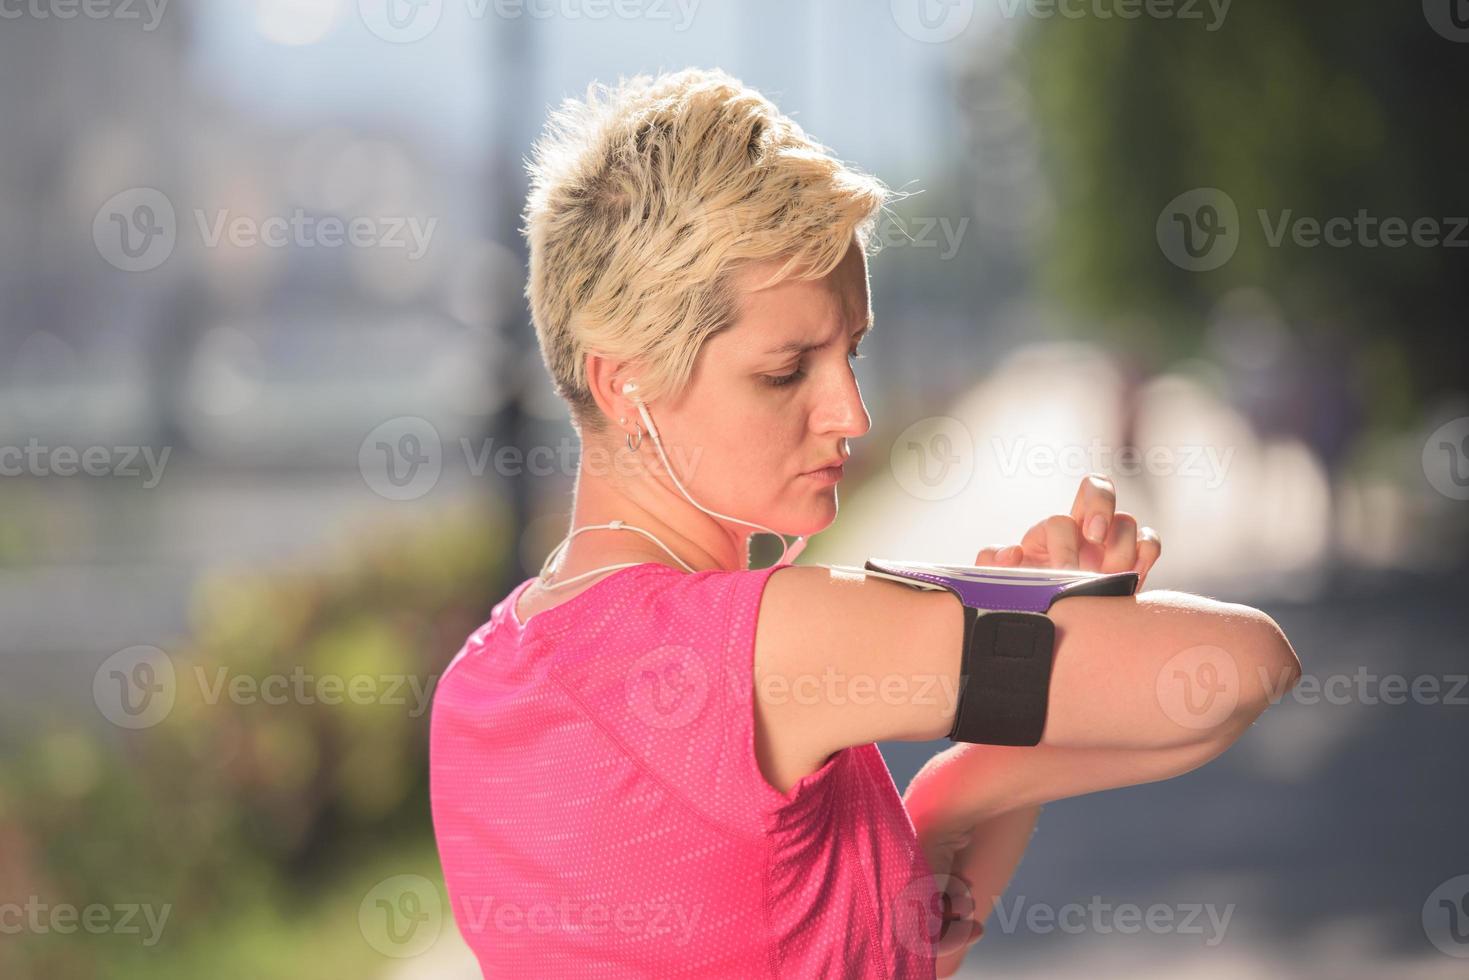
(633, 446)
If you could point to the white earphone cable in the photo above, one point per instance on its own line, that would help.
(787, 549)
(658, 443)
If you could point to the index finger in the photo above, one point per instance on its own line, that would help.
(1095, 503)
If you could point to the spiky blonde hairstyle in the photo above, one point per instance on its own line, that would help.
(646, 198)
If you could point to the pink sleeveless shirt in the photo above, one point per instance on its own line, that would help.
(600, 813)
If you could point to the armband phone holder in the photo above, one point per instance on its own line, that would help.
(1009, 641)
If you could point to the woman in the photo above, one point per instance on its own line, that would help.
(631, 771)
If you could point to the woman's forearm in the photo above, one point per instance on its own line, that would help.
(983, 855)
(985, 868)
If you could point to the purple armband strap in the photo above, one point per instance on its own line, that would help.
(1009, 641)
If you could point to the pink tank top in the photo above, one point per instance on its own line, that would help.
(600, 813)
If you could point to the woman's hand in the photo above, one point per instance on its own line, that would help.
(1094, 537)
(957, 929)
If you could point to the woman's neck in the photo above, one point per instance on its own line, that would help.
(646, 503)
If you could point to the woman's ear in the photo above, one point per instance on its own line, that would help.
(606, 379)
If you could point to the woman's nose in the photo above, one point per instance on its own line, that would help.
(841, 410)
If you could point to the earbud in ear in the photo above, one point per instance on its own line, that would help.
(630, 389)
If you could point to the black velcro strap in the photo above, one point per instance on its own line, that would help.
(1005, 683)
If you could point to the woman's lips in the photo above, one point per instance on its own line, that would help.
(830, 474)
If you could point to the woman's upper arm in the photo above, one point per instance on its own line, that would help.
(845, 659)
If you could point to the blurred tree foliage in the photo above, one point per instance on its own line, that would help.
(233, 804)
(1317, 108)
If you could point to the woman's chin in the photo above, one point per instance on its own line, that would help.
(816, 519)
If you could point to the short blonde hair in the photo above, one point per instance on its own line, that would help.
(647, 196)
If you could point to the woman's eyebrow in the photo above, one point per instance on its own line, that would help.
(794, 347)
(802, 346)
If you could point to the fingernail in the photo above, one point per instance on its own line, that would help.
(1096, 528)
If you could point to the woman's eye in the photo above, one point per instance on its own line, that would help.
(781, 380)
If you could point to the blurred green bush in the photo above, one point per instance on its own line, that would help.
(231, 804)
